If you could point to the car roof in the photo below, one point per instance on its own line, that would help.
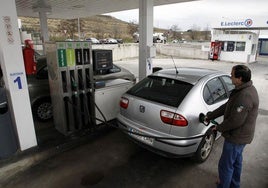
(187, 74)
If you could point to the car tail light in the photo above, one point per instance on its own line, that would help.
(124, 102)
(173, 118)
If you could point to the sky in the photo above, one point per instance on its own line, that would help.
(200, 14)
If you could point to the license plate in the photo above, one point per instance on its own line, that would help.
(144, 139)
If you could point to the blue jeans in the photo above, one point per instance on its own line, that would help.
(230, 165)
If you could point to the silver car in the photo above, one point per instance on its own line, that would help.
(161, 112)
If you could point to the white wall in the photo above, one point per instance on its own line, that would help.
(194, 51)
(131, 50)
(120, 51)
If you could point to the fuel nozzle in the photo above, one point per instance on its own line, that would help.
(74, 87)
(202, 119)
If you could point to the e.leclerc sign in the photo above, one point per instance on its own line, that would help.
(245, 23)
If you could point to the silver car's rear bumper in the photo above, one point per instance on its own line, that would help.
(156, 143)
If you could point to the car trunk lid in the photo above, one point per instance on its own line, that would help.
(153, 103)
(146, 114)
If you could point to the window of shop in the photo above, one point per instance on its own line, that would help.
(240, 46)
(263, 46)
(230, 46)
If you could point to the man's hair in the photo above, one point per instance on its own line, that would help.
(243, 72)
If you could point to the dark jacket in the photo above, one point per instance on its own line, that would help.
(240, 114)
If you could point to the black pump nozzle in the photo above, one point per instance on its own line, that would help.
(206, 123)
(202, 119)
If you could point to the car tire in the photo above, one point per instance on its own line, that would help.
(42, 109)
(205, 147)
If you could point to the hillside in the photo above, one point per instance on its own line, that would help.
(100, 26)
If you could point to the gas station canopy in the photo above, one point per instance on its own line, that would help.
(68, 9)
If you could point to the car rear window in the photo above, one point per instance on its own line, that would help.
(162, 90)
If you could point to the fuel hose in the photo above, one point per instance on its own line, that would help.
(105, 122)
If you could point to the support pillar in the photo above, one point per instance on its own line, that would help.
(145, 37)
(43, 26)
(12, 65)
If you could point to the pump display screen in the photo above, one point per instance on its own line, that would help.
(102, 59)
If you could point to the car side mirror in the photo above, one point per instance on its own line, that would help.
(3, 107)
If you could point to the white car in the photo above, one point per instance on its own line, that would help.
(111, 41)
(93, 40)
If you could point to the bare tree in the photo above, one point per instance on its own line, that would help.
(207, 34)
(194, 32)
(175, 32)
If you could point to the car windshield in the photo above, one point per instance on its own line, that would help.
(163, 90)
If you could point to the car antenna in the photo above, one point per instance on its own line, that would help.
(177, 72)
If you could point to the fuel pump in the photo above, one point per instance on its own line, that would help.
(29, 58)
(77, 101)
(71, 79)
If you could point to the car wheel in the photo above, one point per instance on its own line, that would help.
(205, 147)
(42, 109)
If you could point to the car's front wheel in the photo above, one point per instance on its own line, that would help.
(205, 147)
(42, 109)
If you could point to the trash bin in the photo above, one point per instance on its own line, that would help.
(8, 141)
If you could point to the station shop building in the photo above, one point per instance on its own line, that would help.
(239, 40)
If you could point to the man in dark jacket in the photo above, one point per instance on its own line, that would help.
(240, 114)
